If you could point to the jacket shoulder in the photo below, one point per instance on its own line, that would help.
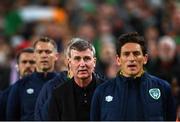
(107, 85)
(63, 87)
(25, 79)
(158, 80)
(100, 80)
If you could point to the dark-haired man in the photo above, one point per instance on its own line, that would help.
(26, 65)
(133, 94)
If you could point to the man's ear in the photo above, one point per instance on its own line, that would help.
(145, 59)
(17, 67)
(94, 61)
(57, 56)
(118, 61)
(69, 62)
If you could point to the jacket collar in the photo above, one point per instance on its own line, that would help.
(125, 79)
(42, 76)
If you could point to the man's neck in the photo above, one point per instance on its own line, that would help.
(135, 76)
(45, 69)
(45, 72)
(83, 82)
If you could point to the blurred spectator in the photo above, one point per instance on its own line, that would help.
(5, 51)
(175, 33)
(106, 64)
(167, 64)
(151, 35)
(86, 31)
(105, 34)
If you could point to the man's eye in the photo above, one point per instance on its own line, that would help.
(77, 58)
(24, 62)
(28, 61)
(87, 58)
(32, 62)
(39, 51)
(126, 53)
(137, 53)
(48, 51)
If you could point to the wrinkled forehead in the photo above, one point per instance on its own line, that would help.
(44, 46)
(82, 53)
(27, 55)
(131, 47)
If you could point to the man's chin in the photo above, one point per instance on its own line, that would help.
(83, 77)
(133, 74)
(27, 73)
(45, 69)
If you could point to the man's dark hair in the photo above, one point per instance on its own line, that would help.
(46, 40)
(132, 37)
(25, 50)
(81, 45)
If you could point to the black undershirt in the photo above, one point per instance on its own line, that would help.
(83, 98)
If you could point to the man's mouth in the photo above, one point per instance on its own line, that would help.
(28, 71)
(131, 66)
(44, 62)
(83, 70)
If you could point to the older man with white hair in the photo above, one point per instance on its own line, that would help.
(166, 49)
(167, 63)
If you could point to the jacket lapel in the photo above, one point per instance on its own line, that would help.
(143, 90)
(123, 98)
(70, 107)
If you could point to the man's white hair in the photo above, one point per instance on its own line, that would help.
(74, 40)
(167, 40)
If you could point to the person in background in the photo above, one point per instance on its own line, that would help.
(25, 91)
(26, 65)
(26, 62)
(71, 100)
(106, 65)
(166, 64)
(134, 94)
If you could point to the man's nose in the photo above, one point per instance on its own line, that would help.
(44, 54)
(131, 57)
(82, 62)
(28, 64)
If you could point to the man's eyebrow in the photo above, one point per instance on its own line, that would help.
(77, 56)
(132, 51)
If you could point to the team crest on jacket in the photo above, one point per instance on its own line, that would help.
(108, 98)
(155, 93)
(30, 91)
